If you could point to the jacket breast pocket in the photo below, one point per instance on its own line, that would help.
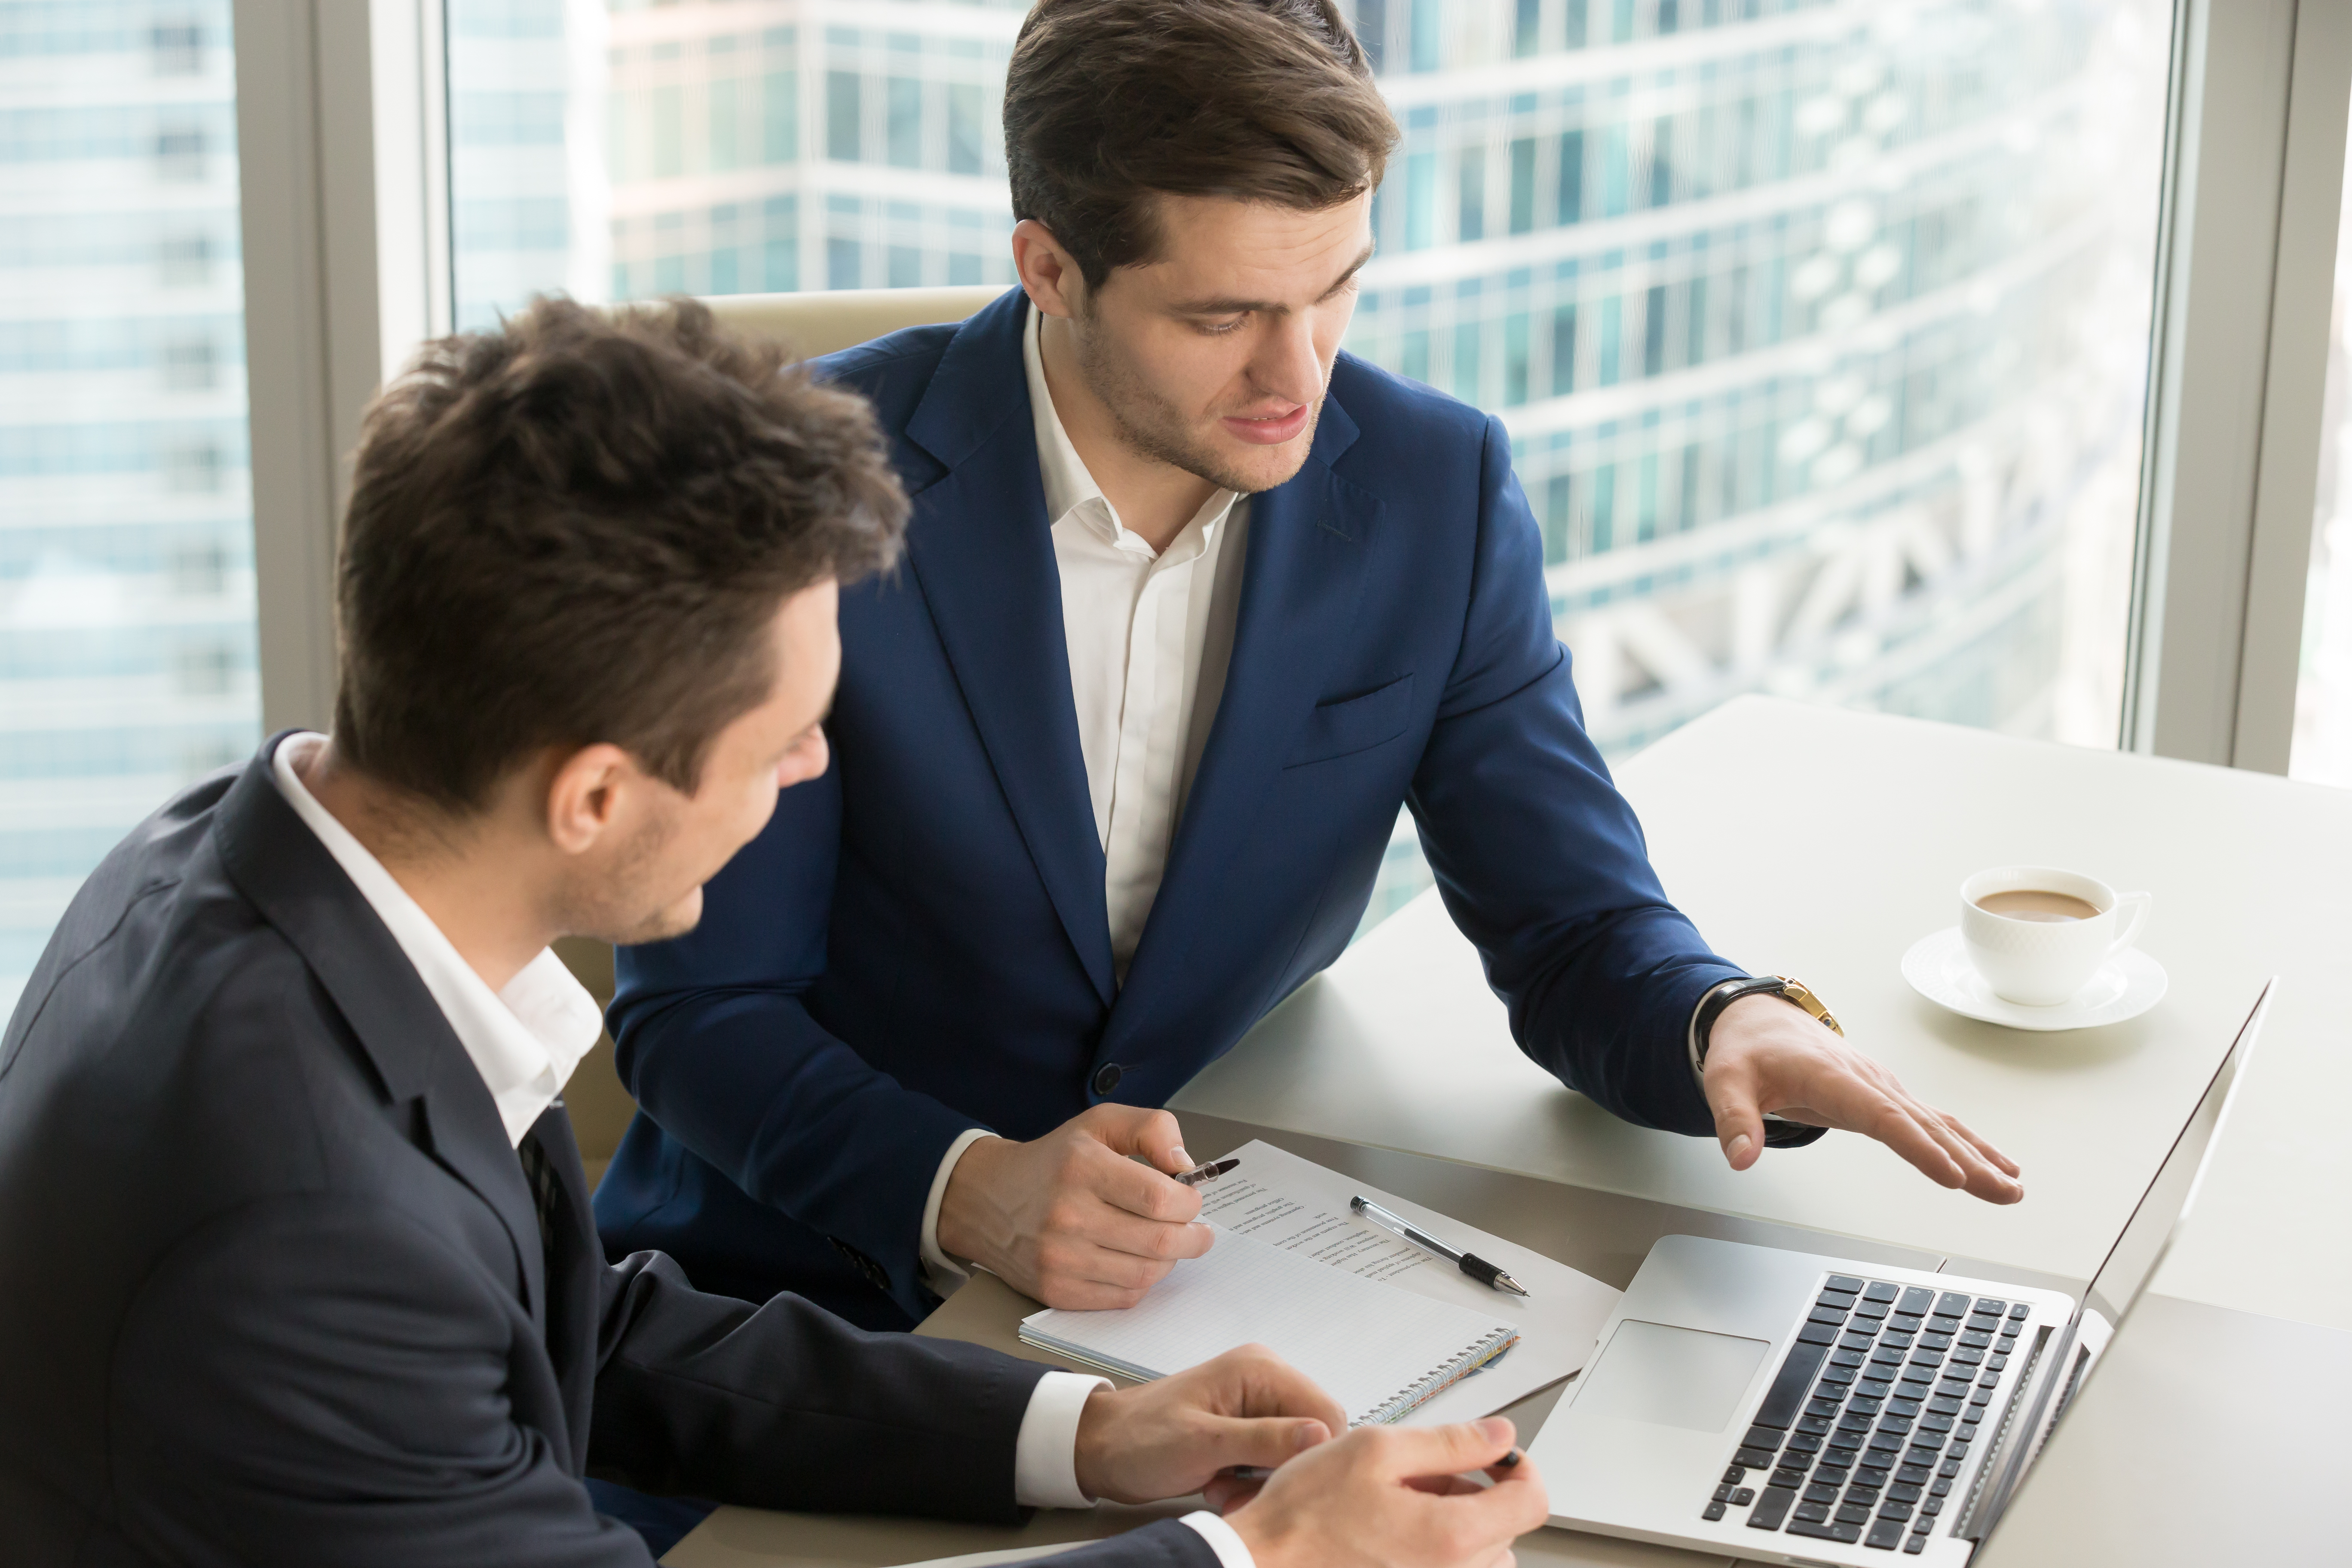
(1352, 724)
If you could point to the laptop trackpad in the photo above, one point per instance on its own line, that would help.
(1674, 1377)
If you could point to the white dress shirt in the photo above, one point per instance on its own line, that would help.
(1150, 636)
(526, 1039)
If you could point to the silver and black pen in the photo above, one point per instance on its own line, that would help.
(1477, 1268)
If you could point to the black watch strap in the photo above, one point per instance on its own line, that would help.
(1711, 1006)
(1779, 1132)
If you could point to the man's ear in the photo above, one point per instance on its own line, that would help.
(587, 793)
(1048, 275)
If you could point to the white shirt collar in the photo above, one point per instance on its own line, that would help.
(1069, 487)
(524, 1040)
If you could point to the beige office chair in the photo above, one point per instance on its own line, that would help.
(811, 324)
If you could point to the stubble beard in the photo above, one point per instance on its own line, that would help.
(1152, 427)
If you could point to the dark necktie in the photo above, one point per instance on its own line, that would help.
(546, 1194)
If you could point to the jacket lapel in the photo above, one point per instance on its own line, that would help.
(1300, 584)
(279, 864)
(981, 549)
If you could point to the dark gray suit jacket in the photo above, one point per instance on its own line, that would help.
(273, 1287)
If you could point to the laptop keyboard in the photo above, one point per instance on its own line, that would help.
(1872, 1415)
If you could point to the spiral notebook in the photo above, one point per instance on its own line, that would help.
(1378, 1350)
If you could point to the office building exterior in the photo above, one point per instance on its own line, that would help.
(127, 642)
(1823, 375)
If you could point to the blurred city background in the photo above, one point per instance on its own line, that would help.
(1820, 328)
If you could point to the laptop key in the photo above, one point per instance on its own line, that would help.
(1886, 1535)
(1811, 1512)
(1987, 1304)
(1846, 1282)
(1743, 1497)
(1765, 1438)
(1897, 1425)
(1890, 1508)
(1722, 1494)
(1821, 1491)
(1790, 1476)
(1830, 1316)
(1873, 1388)
(1879, 1291)
(2019, 1311)
(1828, 1531)
(1811, 1422)
(1753, 1459)
(1791, 1383)
(1945, 1404)
(1771, 1507)
(1868, 1308)
(1903, 1491)
(1909, 1322)
(1836, 1376)
(1916, 1474)
(1817, 1334)
(1853, 1513)
(1949, 1467)
(1916, 1545)
(1802, 1442)
(1930, 1507)
(1953, 1304)
(1976, 1339)
(1825, 1404)
(1916, 1300)
(1933, 1422)
(1711, 1511)
(1735, 1474)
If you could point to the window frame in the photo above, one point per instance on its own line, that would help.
(343, 123)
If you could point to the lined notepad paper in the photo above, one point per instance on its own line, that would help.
(1376, 1350)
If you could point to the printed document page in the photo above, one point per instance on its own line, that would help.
(1277, 1197)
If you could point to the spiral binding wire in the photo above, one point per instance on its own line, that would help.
(1444, 1376)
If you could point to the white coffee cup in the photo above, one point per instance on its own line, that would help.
(2040, 958)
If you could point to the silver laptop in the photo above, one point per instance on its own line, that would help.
(1792, 1407)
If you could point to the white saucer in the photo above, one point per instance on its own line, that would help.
(2126, 986)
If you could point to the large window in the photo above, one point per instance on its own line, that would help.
(1820, 330)
(127, 644)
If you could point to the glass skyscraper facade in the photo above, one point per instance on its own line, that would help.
(127, 642)
(1819, 327)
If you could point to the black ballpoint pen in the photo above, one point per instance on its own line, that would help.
(1477, 1268)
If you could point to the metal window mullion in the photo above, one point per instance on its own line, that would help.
(342, 127)
(2244, 284)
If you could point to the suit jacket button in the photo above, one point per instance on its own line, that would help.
(1107, 1077)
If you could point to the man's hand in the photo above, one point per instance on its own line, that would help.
(1765, 1054)
(1069, 1218)
(1395, 1496)
(1170, 1438)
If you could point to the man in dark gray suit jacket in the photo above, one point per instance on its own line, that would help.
(296, 1257)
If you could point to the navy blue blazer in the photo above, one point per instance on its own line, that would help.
(917, 944)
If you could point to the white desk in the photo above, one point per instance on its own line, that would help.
(1822, 843)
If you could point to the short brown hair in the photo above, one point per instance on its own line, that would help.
(578, 529)
(1109, 101)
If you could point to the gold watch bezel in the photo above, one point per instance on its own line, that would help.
(1798, 991)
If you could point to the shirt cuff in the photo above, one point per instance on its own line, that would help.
(1045, 1455)
(1223, 1540)
(941, 1273)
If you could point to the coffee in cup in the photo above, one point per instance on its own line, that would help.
(2038, 933)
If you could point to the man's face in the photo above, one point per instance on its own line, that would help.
(1214, 357)
(649, 884)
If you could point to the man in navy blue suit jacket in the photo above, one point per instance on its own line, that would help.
(1195, 602)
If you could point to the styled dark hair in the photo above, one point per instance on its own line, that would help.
(1107, 102)
(579, 529)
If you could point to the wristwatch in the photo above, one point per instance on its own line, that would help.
(1779, 1130)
